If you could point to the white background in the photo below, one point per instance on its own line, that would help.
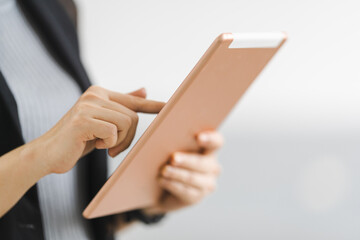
(291, 159)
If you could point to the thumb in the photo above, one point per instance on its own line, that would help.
(138, 93)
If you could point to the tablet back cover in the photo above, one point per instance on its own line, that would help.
(202, 102)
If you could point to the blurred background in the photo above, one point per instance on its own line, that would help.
(291, 158)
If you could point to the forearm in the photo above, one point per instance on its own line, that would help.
(20, 169)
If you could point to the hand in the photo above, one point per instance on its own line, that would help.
(189, 177)
(99, 119)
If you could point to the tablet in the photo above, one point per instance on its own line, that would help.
(201, 102)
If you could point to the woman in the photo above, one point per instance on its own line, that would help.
(55, 131)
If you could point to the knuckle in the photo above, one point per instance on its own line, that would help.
(127, 122)
(108, 142)
(189, 177)
(83, 108)
(135, 117)
(136, 103)
(111, 129)
(112, 142)
(87, 136)
(170, 172)
(76, 108)
(90, 96)
(94, 88)
(77, 121)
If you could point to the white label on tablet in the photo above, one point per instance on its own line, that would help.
(257, 40)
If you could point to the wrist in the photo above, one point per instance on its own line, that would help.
(32, 157)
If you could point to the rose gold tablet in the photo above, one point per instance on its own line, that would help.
(201, 102)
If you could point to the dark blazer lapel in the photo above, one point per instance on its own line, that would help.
(23, 221)
(8, 107)
(58, 34)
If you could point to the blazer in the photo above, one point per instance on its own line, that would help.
(54, 23)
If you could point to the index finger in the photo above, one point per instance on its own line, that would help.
(137, 104)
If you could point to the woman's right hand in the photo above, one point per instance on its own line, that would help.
(100, 119)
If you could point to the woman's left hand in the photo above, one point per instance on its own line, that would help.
(189, 177)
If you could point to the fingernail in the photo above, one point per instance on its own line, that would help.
(204, 138)
(168, 170)
(178, 157)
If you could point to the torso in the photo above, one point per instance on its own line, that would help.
(44, 92)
